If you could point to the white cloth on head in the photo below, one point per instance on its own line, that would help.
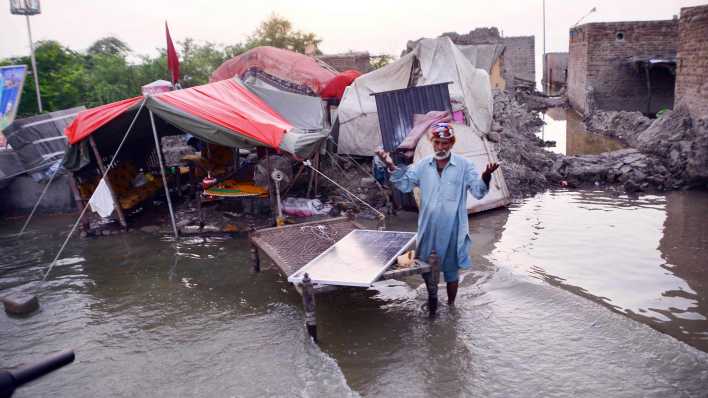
(102, 201)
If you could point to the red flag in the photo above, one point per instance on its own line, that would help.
(172, 60)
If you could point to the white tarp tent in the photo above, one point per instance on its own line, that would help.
(440, 61)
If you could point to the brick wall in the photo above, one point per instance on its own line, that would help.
(692, 68)
(555, 72)
(519, 58)
(519, 53)
(357, 61)
(609, 80)
(555, 67)
(577, 69)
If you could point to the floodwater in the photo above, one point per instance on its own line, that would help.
(574, 293)
(566, 128)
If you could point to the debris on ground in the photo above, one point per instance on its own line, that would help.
(673, 140)
(622, 125)
(525, 163)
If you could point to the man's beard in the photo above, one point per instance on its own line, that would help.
(441, 155)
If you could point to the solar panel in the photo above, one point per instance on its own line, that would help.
(358, 259)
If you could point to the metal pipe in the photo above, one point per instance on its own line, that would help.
(12, 379)
(34, 66)
(544, 35)
(308, 301)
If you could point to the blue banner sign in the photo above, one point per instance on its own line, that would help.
(12, 79)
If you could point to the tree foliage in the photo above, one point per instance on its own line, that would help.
(108, 46)
(109, 71)
(379, 61)
(278, 32)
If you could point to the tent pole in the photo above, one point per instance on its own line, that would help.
(164, 178)
(104, 172)
(271, 188)
(78, 200)
(317, 176)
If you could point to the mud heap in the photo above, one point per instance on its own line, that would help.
(622, 125)
(673, 141)
(526, 165)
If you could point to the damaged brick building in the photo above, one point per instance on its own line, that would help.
(627, 66)
(358, 61)
(555, 72)
(692, 69)
(519, 68)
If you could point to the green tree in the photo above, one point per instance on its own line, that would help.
(108, 46)
(378, 61)
(62, 78)
(103, 73)
(278, 32)
(110, 76)
(199, 61)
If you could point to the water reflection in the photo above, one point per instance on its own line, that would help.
(683, 246)
(639, 257)
(566, 128)
(151, 316)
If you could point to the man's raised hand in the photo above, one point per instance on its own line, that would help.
(487, 175)
(386, 158)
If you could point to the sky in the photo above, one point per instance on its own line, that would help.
(377, 26)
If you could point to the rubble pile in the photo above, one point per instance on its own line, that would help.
(622, 125)
(536, 101)
(675, 145)
(681, 143)
(356, 176)
(628, 167)
(527, 167)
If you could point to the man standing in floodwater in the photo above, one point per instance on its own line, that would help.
(444, 179)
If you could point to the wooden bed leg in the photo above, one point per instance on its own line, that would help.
(256, 259)
(431, 283)
(308, 300)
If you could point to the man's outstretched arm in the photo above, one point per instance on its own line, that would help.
(476, 184)
(402, 178)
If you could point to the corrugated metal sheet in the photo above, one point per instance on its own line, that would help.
(397, 107)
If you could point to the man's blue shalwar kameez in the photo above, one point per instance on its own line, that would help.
(442, 220)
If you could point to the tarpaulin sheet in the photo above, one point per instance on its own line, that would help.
(40, 139)
(335, 87)
(228, 105)
(440, 61)
(303, 111)
(282, 64)
(92, 119)
(221, 108)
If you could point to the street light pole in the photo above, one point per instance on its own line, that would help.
(34, 65)
(27, 8)
(543, 59)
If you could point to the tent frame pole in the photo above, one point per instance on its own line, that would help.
(162, 172)
(79, 201)
(104, 172)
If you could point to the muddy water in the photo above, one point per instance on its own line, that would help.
(573, 293)
(566, 128)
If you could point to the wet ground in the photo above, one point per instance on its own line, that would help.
(566, 128)
(573, 293)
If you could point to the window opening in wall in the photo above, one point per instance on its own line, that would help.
(619, 36)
